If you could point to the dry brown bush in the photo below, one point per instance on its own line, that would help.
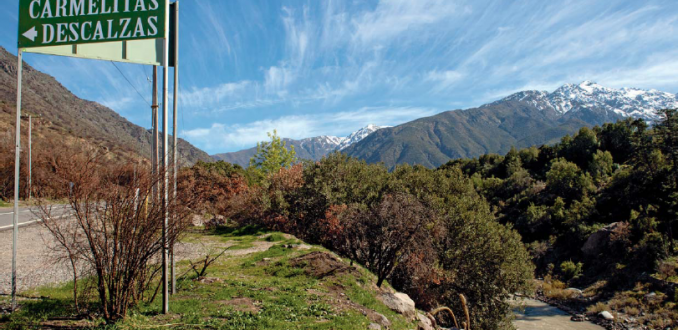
(113, 228)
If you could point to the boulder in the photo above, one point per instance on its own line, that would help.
(606, 315)
(599, 241)
(424, 322)
(399, 303)
(379, 318)
(197, 221)
(374, 326)
(574, 292)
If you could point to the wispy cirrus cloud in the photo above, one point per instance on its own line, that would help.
(444, 79)
(212, 96)
(218, 136)
(392, 18)
(253, 65)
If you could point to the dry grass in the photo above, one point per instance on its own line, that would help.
(557, 290)
(597, 308)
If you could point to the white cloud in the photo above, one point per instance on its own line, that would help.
(393, 17)
(659, 71)
(297, 35)
(213, 26)
(277, 79)
(219, 137)
(212, 96)
(444, 79)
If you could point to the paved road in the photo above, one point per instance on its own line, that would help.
(537, 315)
(26, 215)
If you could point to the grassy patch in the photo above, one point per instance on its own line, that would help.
(249, 230)
(260, 290)
(275, 237)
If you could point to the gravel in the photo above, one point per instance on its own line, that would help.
(36, 264)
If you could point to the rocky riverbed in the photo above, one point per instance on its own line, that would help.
(532, 314)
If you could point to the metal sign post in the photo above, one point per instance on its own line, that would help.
(155, 154)
(175, 61)
(29, 184)
(165, 189)
(30, 156)
(17, 163)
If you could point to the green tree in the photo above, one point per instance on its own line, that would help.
(566, 180)
(666, 141)
(601, 165)
(512, 163)
(272, 156)
(581, 148)
(616, 138)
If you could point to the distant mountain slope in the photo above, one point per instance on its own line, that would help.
(67, 114)
(310, 148)
(522, 120)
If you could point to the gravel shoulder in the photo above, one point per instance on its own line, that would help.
(36, 264)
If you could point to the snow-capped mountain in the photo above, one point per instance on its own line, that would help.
(358, 135)
(521, 120)
(627, 102)
(313, 148)
(339, 143)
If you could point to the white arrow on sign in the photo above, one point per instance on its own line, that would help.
(31, 34)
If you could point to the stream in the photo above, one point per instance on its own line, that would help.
(536, 315)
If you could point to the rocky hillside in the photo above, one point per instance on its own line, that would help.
(522, 120)
(66, 115)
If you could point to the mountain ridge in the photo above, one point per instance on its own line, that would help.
(313, 148)
(65, 114)
(521, 119)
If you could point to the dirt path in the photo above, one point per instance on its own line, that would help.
(537, 315)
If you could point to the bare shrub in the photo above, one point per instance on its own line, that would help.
(114, 226)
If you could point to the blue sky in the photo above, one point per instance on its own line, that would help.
(309, 68)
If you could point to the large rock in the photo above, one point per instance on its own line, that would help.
(606, 315)
(424, 322)
(599, 241)
(374, 326)
(379, 319)
(399, 303)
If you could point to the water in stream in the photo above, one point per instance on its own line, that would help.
(536, 315)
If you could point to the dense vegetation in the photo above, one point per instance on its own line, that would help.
(557, 196)
(428, 232)
(596, 210)
(436, 233)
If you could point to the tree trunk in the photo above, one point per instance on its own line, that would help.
(75, 284)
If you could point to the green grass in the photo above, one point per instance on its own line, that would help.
(283, 296)
(275, 237)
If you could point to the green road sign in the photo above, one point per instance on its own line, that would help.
(72, 22)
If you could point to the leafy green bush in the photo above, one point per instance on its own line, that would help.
(570, 270)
